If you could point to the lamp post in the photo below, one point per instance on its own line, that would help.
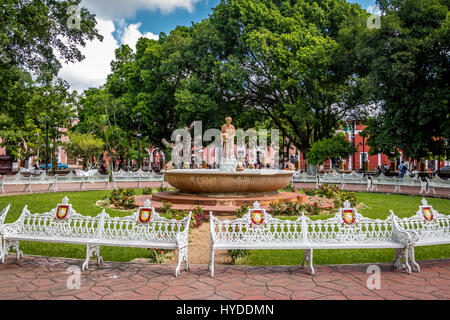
(47, 118)
(139, 139)
(354, 146)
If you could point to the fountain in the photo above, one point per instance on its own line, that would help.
(227, 187)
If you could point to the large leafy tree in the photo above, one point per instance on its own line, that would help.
(285, 59)
(35, 36)
(404, 66)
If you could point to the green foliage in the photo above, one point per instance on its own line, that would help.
(327, 191)
(288, 208)
(123, 198)
(335, 148)
(242, 210)
(198, 217)
(86, 146)
(238, 256)
(147, 191)
(404, 67)
(312, 209)
(159, 255)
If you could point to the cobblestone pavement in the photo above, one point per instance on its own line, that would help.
(46, 278)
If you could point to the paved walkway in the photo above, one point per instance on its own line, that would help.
(46, 278)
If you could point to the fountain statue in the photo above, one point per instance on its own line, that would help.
(231, 179)
(228, 162)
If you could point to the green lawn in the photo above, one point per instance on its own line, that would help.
(374, 206)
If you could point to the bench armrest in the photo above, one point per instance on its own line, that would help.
(398, 233)
(3, 214)
(211, 228)
(182, 237)
(16, 226)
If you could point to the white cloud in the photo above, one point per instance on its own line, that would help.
(93, 70)
(117, 9)
(131, 35)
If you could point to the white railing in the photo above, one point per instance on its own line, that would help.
(138, 176)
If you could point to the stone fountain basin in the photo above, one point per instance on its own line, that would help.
(213, 181)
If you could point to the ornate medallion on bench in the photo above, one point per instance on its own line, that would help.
(257, 215)
(145, 213)
(63, 210)
(427, 210)
(348, 214)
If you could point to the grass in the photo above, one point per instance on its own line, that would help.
(375, 205)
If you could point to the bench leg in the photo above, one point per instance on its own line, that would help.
(402, 254)
(7, 245)
(90, 251)
(3, 189)
(412, 259)
(308, 258)
(183, 255)
(211, 263)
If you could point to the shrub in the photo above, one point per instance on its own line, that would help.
(312, 208)
(327, 191)
(147, 191)
(293, 208)
(276, 208)
(286, 208)
(237, 256)
(122, 197)
(243, 209)
(309, 192)
(159, 255)
(343, 196)
(198, 217)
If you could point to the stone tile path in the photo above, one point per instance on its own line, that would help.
(46, 278)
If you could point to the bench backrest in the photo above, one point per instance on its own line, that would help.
(70, 177)
(144, 224)
(427, 222)
(349, 226)
(254, 227)
(303, 177)
(61, 221)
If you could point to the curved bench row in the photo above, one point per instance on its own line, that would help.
(257, 229)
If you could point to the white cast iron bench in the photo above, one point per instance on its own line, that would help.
(354, 178)
(437, 182)
(69, 178)
(383, 180)
(2, 220)
(303, 177)
(427, 227)
(138, 176)
(144, 229)
(97, 177)
(346, 230)
(27, 181)
(408, 181)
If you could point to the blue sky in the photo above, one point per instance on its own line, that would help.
(124, 22)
